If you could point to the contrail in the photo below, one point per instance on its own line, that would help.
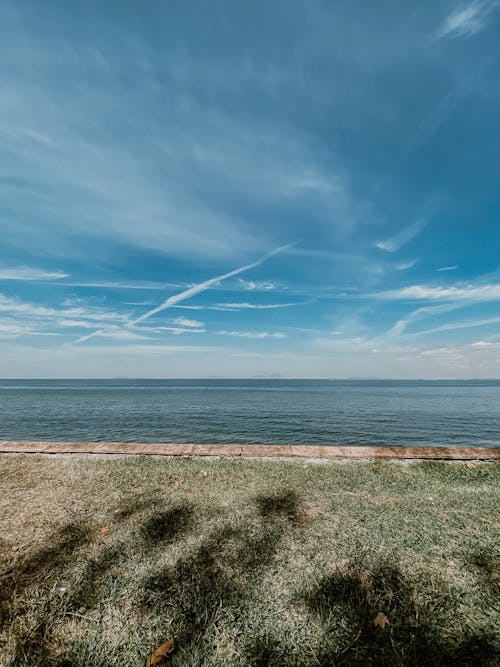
(201, 287)
(192, 291)
(88, 336)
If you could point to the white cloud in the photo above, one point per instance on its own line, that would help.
(28, 273)
(8, 330)
(467, 20)
(156, 197)
(258, 306)
(485, 345)
(185, 322)
(404, 266)
(79, 324)
(131, 285)
(123, 334)
(252, 334)
(448, 268)
(174, 330)
(35, 319)
(97, 314)
(467, 324)
(489, 292)
(404, 236)
(454, 297)
(315, 182)
(418, 314)
(256, 285)
(13, 305)
(115, 333)
(237, 306)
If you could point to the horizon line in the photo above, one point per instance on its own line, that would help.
(280, 378)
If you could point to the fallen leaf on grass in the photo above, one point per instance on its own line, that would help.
(161, 653)
(204, 473)
(104, 530)
(178, 484)
(380, 620)
(469, 464)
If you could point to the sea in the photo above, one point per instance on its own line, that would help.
(319, 412)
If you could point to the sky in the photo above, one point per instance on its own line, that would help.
(250, 189)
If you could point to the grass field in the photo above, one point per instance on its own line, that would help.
(246, 562)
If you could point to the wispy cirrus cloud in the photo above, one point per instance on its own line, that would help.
(258, 335)
(236, 306)
(404, 236)
(117, 333)
(174, 330)
(245, 305)
(258, 286)
(55, 316)
(404, 266)
(185, 322)
(13, 305)
(464, 324)
(127, 285)
(146, 333)
(490, 292)
(452, 298)
(76, 324)
(448, 268)
(13, 329)
(153, 189)
(467, 19)
(29, 273)
(417, 314)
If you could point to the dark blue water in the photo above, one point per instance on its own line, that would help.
(350, 412)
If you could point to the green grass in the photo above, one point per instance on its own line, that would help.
(247, 562)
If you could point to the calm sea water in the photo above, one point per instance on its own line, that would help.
(350, 412)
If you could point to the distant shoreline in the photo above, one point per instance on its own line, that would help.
(243, 379)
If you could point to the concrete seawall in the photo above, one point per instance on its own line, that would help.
(254, 451)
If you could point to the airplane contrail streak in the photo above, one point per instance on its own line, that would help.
(192, 291)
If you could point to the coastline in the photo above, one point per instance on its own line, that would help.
(254, 451)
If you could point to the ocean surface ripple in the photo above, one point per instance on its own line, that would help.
(337, 412)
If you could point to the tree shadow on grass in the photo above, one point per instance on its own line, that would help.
(31, 602)
(46, 562)
(41, 569)
(485, 565)
(267, 650)
(165, 527)
(346, 602)
(280, 504)
(220, 575)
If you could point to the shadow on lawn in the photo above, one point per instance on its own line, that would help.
(51, 565)
(218, 578)
(280, 504)
(165, 527)
(221, 573)
(348, 601)
(42, 568)
(50, 559)
(485, 565)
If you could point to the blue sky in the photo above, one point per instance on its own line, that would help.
(243, 189)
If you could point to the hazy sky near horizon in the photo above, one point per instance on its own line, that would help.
(242, 189)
